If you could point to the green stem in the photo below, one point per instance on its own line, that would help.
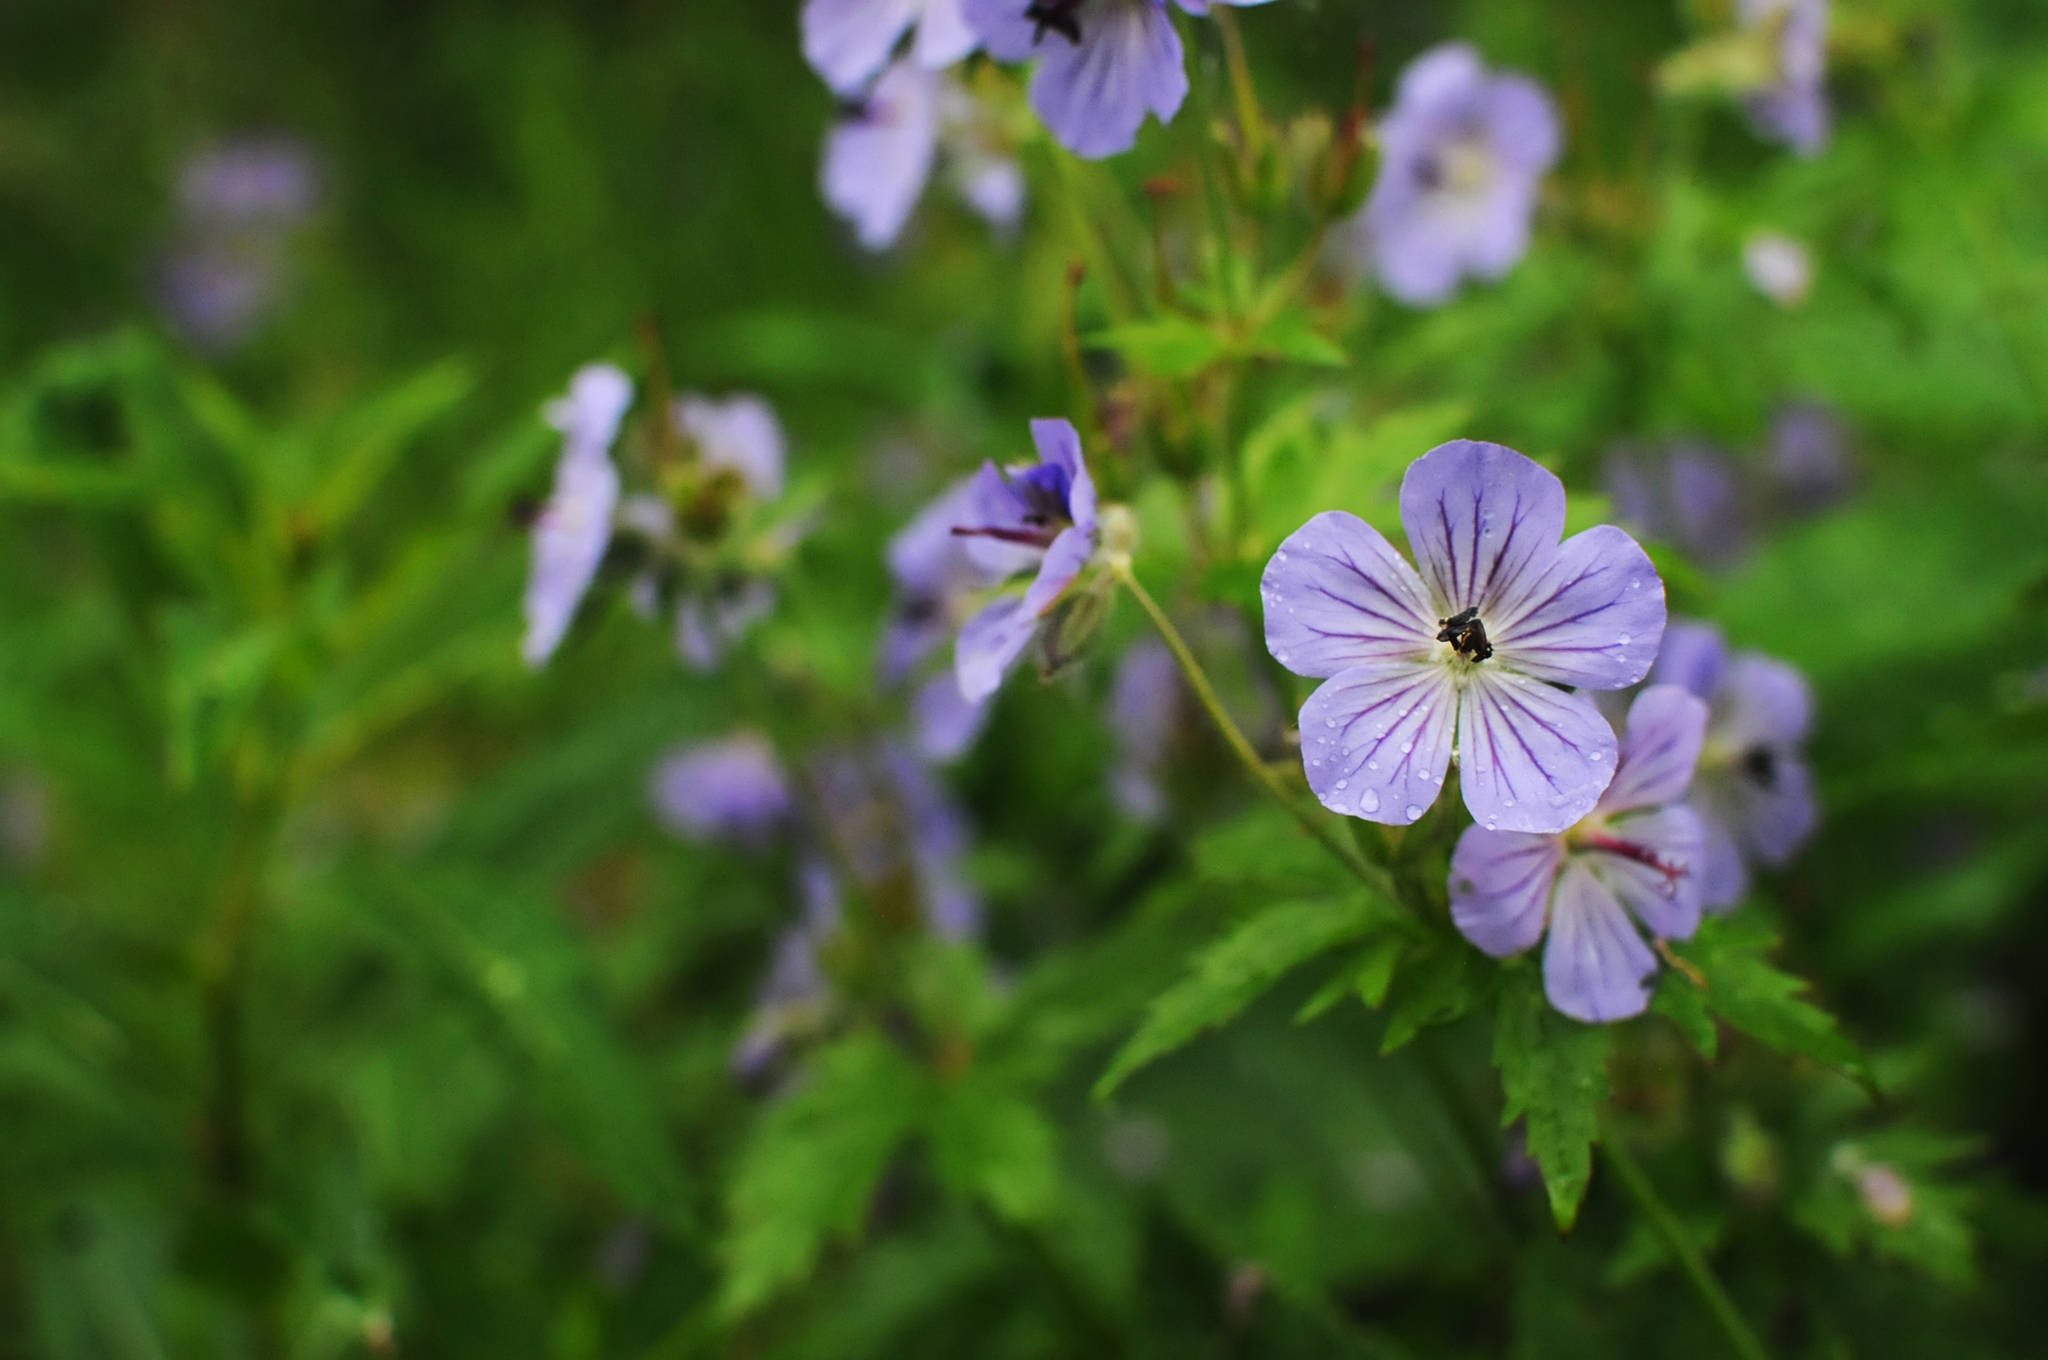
(1665, 1224)
(1251, 122)
(1371, 875)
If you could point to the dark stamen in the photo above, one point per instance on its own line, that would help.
(1061, 16)
(1467, 635)
(1760, 763)
(1029, 538)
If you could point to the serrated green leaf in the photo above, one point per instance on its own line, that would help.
(1292, 335)
(1441, 986)
(1684, 1003)
(1553, 1072)
(1164, 346)
(1230, 974)
(1745, 990)
(993, 1144)
(1367, 976)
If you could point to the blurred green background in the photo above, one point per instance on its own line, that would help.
(351, 1002)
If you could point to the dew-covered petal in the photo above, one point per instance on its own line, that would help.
(1592, 616)
(1480, 519)
(739, 435)
(1658, 876)
(1530, 757)
(990, 644)
(1660, 747)
(1376, 739)
(1337, 595)
(1692, 656)
(1596, 968)
(879, 157)
(1060, 445)
(1762, 701)
(943, 34)
(847, 41)
(1500, 887)
(1094, 95)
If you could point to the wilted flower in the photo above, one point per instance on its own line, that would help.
(1500, 616)
(848, 41)
(1778, 267)
(572, 531)
(1793, 107)
(1808, 456)
(1686, 494)
(1048, 509)
(732, 789)
(1102, 64)
(1638, 854)
(1462, 156)
(1753, 792)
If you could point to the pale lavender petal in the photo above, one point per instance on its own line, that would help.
(943, 34)
(1659, 749)
(707, 625)
(1480, 518)
(1521, 124)
(740, 435)
(570, 536)
(943, 721)
(847, 41)
(730, 789)
(1530, 757)
(1761, 701)
(1499, 237)
(1596, 968)
(1724, 875)
(1445, 73)
(1780, 817)
(1060, 445)
(1337, 595)
(589, 416)
(927, 557)
(1415, 260)
(1593, 616)
(1693, 656)
(1653, 864)
(1500, 887)
(990, 644)
(993, 186)
(1094, 95)
(879, 157)
(1376, 740)
(1005, 32)
(1064, 561)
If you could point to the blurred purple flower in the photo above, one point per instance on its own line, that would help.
(738, 434)
(248, 182)
(1685, 494)
(897, 831)
(848, 41)
(237, 203)
(1793, 108)
(1462, 156)
(1103, 64)
(1809, 456)
(1778, 267)
(1147, 705)
(1639, 854)
(1500, 616)
(572, 531)
(710, 621)
(1753, 792)
(1048, 509)
(731, 789)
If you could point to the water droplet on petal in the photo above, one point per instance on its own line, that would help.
(1372, 764)
(1369, 801)
(1406, 747)
(1636, 583)
(1343, 783)
(1492, 824)
(1329, 722)
(1621, 641)
(1507, 802)
(1411, 812)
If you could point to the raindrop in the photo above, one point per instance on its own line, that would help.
(1492, 825)
(1636, 583)
(1406, 747)
(1369, 801)
(1343, 783)
(1621, 641)
(1507, 802)
(1329, 722)
(1411, 812)
(1372, 764)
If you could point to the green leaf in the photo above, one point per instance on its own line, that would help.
(1684, 1003)
(1367, 976)
(1230, 974)
(1745, 990)
(1292, 335)
(1553, 1071)
(1443, 985)
(1165, 346)
(809, 1173)
(994, 1144)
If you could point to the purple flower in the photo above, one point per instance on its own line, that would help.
(709, 621)
(796, 996)
(1103, 64)
(739, 435)
(248, 182)
(1793, 108)
(1500, 616)
(1809, 456)
(848, 41)
(1638, 854)
(896, 831)
(1147, 704)
(1687, 495)
(1753, 792)
(572, 531)
(238, 201)
(732, 789)
(1462, 156)
(1048, 509)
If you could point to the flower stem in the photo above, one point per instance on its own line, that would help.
(1371, 875)
(1665, 1224)
(1251, 122)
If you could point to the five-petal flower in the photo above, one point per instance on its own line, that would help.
(848, 41)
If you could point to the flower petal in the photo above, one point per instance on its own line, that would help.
(1060, 444)
(1659, 749)
(1531, 758)
(1500, 887)
(1724, 877)
(1596, 968)
(1762, 701)
(1004, 30)
(990, 644)
(846, 41)
(1521, 123)
(943, 722)
(1692, 655)
(1480, 518)
(878, 159)
(1667, 902)
(1093, 95)
(1337, 595)
(943, 35)
(570, 536)
(1593, 617)
(740, 435)
(1376, 740)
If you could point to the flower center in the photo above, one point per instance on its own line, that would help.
(1043, 490)
(1467, 635)
(1760, 764)
(1461, 169)
(1061, 16)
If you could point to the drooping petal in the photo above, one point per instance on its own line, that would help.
(1500, 887)
(1692, 656)
(1593, 616)
(1060, 445)
(740, 435)
(1596, 968)
(1337, 595)
(847, 41)
(1094, 95)
(1064, 560)
(943, 722)
(878, 158)
(1658, 875)
(1376, 739)
(1659, 749)
(570, 536)
(990, 644)
(1480, 518)
(1530, 757)
(1762, 701)
(943, 35)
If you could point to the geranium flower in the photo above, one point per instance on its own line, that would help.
(1462, 155)
(1047, 509)
(739, 435)
(572, 531)
(1638, 855)
(1102, 64)
(732, 789)
(1793, 108)
(848, 41)
(1753, 791)
(1478, 643)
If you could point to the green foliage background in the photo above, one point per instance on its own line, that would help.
(353, 1002)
